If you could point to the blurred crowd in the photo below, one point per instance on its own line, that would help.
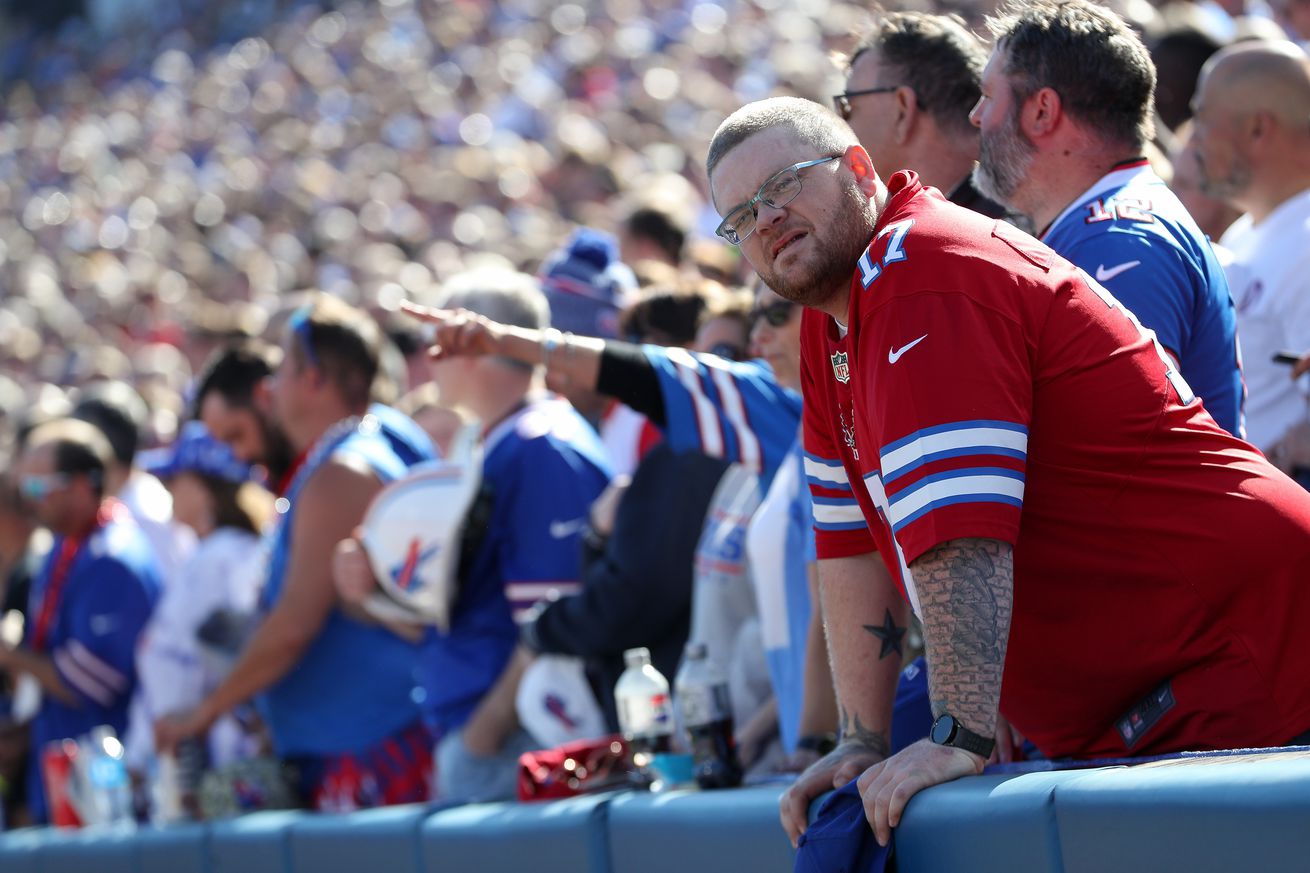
(206, 207)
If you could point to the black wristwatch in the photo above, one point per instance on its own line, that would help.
(947, 731)
(819, 744)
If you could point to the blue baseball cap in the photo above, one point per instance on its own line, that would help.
(840, 839)
(196, 451)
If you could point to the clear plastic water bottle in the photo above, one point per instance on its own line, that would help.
(175, 783)
(645, 710)
(165, 791)
(701, 691)
(110, 788)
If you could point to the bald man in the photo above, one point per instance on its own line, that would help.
(1252, 144)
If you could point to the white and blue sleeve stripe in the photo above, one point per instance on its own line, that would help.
(956, 440)
(825, 473)
(970, 485)
(837, 513)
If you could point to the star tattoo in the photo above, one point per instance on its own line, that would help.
(889, 633)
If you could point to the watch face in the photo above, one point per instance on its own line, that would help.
(942, 730)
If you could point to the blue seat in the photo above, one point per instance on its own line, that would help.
(734, 829)
(1201, 815)
(19, 849)
(374, 839)
(565, 836)
(987, 824)
(257, 843)
(81, 851)
(179, 848)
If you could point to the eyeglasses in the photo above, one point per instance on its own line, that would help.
(40, 486)
(728, 351)
(842, 102)
(776, 314)
(777, 191)
(300, 329)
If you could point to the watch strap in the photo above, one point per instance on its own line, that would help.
(963, 738)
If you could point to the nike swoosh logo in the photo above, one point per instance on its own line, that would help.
(894, 355)
(561, 529)
(1104, 275)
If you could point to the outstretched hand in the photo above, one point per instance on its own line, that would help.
(458, 332)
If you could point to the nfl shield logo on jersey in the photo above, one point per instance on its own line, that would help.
(840, 368)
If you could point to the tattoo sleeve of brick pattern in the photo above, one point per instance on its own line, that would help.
(966, 593)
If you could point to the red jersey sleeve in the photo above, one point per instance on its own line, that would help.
(951, 410)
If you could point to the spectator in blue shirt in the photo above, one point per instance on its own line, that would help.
(90, 600)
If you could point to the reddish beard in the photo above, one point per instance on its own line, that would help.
(824, 271)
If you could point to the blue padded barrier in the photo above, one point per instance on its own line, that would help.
(376, 839)
(1249, 812)
(986, 824)
(1219, 815)
(81, 851)
(19, 849)
(699, 830)
(257, 843)
(179, 848)
(565, 836)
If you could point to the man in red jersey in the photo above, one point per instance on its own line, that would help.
(1045, 492)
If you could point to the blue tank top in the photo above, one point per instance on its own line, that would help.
(355, 684)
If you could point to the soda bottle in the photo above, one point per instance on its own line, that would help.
(59, 770)
(701, 690)
(645, 711)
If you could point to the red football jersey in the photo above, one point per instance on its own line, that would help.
(986, 387)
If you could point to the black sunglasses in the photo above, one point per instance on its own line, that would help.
(842, 102)
(776, 313)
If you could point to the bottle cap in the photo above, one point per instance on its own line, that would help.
(696, 651)
(638, 657)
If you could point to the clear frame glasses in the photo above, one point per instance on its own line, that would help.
(777, 191)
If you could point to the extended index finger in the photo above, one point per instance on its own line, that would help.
(426, 313)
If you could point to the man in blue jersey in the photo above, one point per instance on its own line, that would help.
(543, 466)
(1065, 115)
(336, 690)
(90, 600)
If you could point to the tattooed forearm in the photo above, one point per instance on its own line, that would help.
(889, 633)
(854, 732)
(966, 591)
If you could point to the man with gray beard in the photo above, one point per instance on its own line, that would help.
(1065, 115)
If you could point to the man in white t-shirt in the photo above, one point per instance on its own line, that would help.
(1252, 142)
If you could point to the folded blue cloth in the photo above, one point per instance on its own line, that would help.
(840, 839)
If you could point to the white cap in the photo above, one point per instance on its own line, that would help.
(555, 702)
(412, 533)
